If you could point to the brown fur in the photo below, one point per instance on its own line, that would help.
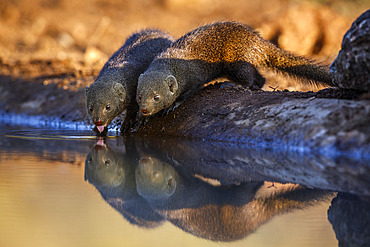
(221, 49)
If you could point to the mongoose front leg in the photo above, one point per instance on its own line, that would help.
(245, 74)
(130, 119)
(140, 120)
(172, 108)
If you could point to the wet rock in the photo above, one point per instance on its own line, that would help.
(351, 69)
(291, 119)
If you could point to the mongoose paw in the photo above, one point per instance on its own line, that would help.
(126, 126)
(172, 108)
(255, 88)
(165, 112)
(130, 120)
(140, 121)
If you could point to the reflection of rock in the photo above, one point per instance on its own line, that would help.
(350, 218)
(219, 213)
(232, 164)
(351, 69)
(164, 185)
(112, 172)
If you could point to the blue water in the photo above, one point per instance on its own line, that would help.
(62, 186)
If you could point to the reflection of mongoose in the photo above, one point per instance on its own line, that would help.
(220, 49)
(115, 88)
(216, 212)
(104, 167)
(154, 178)
(112, 172)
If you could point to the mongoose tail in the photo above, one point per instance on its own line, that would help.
(295, 66)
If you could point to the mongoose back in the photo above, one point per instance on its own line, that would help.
(114, 90)
(222, 49)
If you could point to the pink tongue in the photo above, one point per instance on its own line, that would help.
(100, 142)
(100, 128)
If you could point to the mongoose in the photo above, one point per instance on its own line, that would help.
(222, 49)
(114, 89)
(211, 212)
(111, 170)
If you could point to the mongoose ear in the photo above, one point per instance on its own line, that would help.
(171, 186)
(86, 90)
(172, 83)
(122, 63)
(118, 88)
(141, 76)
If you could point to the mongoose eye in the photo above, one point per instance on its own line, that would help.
(107, 107)
(157, 97)
(90, 109)
(155, 174)
(107, 163)
(139, 97)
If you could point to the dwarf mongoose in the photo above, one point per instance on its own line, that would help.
(222, 49)
(114, 90)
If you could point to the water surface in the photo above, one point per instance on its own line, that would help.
(67, 188)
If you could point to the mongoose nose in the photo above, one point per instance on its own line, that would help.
(143, 161)
(98, 122)
(144, 111)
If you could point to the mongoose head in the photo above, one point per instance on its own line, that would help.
(104, 167)
(156, 91)
(155, 179)
(104, 102)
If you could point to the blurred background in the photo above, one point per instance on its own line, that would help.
(66, 43)
(81, 35)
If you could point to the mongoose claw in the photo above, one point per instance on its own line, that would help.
(172, 108)
(165, 112)
(140, 121)
(126, 126)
